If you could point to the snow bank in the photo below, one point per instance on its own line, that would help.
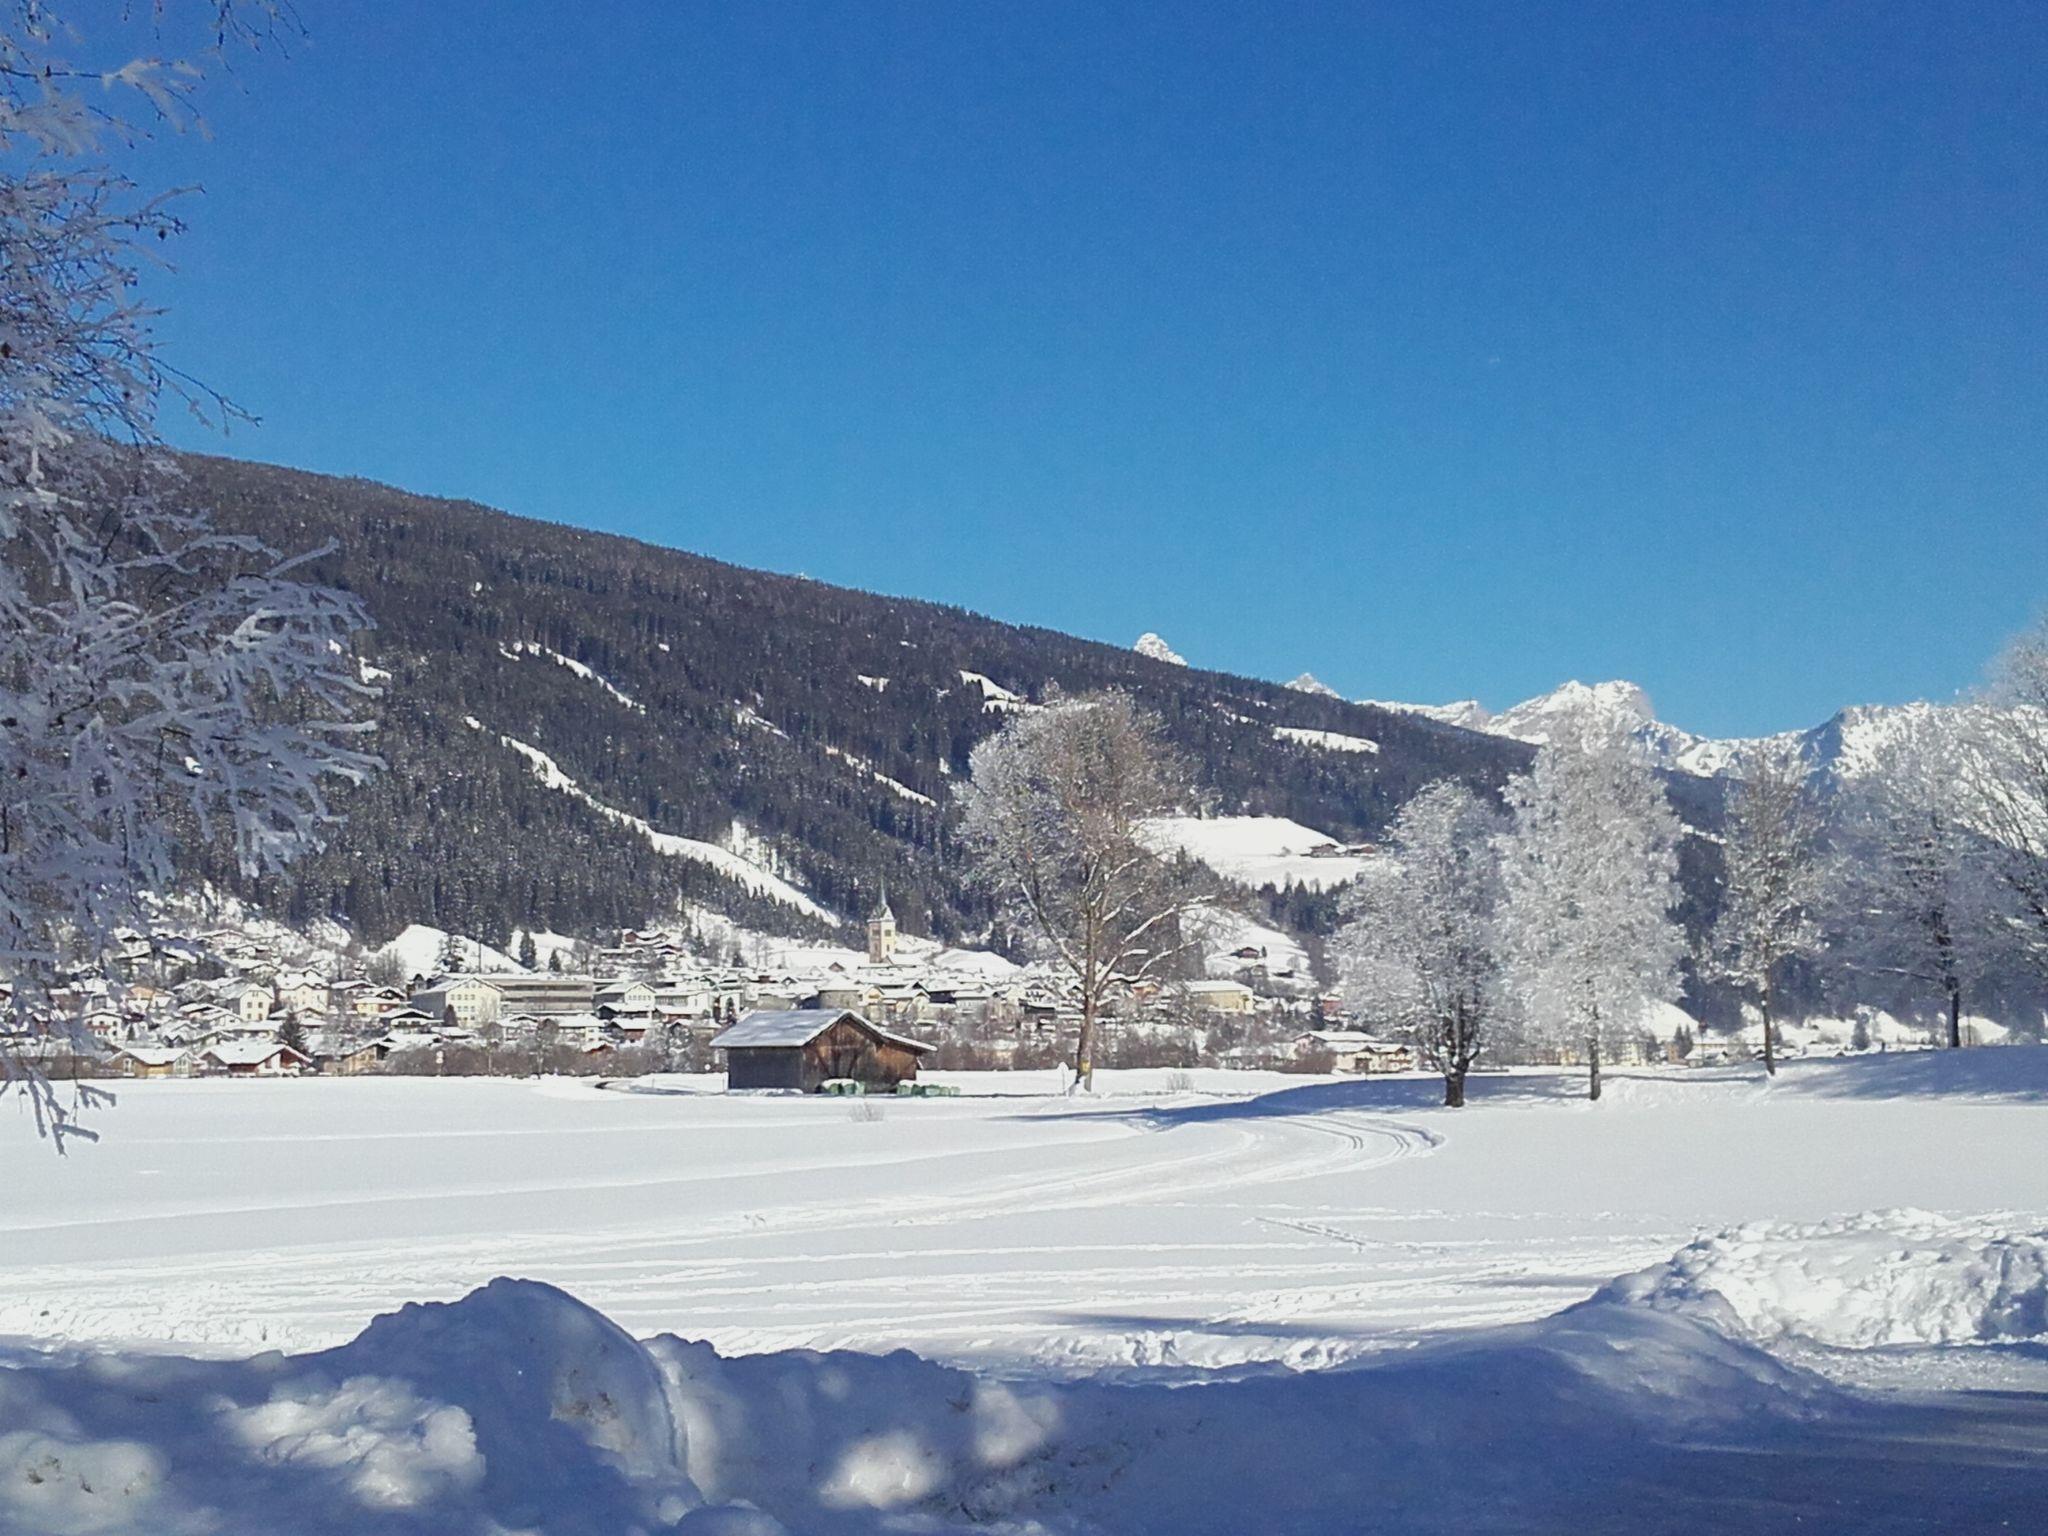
(520, 1409)
(1883, 1277)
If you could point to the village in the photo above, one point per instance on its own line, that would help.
(650, 1003)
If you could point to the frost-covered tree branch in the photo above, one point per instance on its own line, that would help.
(1055, 821)
(155, 675)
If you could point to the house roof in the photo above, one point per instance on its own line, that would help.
(799, 1027)
(153, 1055)
(249, 1053)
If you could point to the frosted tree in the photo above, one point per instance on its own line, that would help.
(1589, 881)
(2005, 770)
(1418, 948)
(1055, 823)
(1773, 883)
(1913, 894)
(157, 678)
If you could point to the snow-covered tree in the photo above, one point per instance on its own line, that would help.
(1913, 895)
(1418, 949)
(1773, 882)
(157, 679)
(2005, 766)
(1056, 824)
(1589, 875)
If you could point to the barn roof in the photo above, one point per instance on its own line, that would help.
(799, 1027)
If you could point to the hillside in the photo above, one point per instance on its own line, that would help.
(584, 730)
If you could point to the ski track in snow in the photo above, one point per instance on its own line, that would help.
(924, 1256)
(1269, 1222)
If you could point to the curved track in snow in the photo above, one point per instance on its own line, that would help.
(1048, 1229)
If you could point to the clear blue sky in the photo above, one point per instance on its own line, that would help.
(1442, 349)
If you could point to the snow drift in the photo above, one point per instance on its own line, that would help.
(1859, 1282)
(518, 1409)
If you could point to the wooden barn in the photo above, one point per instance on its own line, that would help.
(804, 1048)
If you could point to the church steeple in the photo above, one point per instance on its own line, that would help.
(882, 931)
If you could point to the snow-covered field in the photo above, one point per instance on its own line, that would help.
(1084, 1261)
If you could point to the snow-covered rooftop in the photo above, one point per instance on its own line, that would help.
(799, 1027)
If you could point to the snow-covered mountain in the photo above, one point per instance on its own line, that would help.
(1155, 646)
(1841, 747)
(1308, 682)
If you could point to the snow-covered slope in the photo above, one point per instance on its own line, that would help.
(1258, 850)
(746, 862)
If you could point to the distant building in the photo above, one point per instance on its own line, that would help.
(473, 1000)
(1351, 1051)
(804, 1048)
(252, 1058)
(1221, 996)
(882, 933)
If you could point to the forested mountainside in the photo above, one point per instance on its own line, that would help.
(827, 724)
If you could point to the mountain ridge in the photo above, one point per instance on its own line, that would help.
(583, 728)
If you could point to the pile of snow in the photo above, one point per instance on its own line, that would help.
(520, 1409)
(1257, 850)
(1857, 1282)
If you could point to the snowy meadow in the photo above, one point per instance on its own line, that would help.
(1116, 1310)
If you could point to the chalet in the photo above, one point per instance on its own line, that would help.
(1352, 1051)
(803, 1048)
(252, 1058)
(152, 1061)
(335, 1055)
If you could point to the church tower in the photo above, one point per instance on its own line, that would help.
(882, 932)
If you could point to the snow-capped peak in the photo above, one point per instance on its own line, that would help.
(1154, 646)
(1535, 720)
(1308, 682)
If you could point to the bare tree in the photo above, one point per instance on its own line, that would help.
(1056, 823)
(1419, 944)
(1772, 884)
(154, 673)
(1590, 879)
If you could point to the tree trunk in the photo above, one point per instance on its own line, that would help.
(1955, 1018)
(1084, 1048)
(1454, 1088)
(1593, 1059)
(1770, 1050)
